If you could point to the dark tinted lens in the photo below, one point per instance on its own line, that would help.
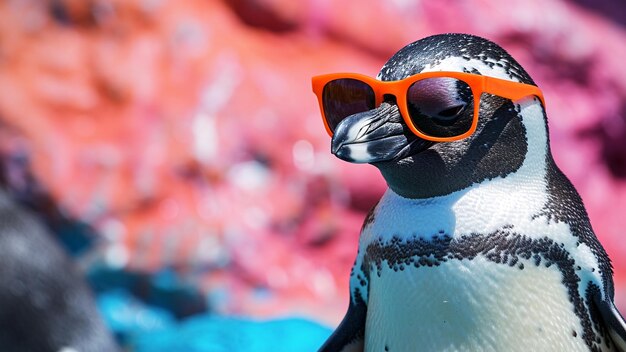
(441, 107)
(344, 97)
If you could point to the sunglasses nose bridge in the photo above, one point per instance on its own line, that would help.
(386, 96)
(388, 92)
(390, 98)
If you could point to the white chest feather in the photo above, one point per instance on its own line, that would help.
(471, 305)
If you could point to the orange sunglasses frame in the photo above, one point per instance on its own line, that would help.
(478, 84)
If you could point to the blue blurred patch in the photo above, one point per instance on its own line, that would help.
(229, 334)
(144, 313)
(127, 316)
(164, 289)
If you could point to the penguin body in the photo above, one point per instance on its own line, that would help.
(478, 244)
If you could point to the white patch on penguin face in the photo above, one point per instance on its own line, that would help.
(68, 349)
(359, 152)
(458, 64)
(356, 131)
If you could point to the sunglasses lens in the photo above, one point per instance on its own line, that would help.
(344, 97)
(441, 107)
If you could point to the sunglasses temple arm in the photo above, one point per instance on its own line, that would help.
(511, 90)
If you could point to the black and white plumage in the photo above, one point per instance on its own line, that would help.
(478, 244)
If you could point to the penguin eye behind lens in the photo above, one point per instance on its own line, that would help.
(440, 106)
(451, 113)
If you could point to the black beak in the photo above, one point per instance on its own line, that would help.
(376, 135)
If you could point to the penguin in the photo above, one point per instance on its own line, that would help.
(45, 303)
(479, 244)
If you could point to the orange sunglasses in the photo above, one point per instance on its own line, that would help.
(343, 94)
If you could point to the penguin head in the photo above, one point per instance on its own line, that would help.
(417, 168)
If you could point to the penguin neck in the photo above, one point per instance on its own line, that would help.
(519, 155)
(519, 198)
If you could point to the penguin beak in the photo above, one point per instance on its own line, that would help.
(374, 136)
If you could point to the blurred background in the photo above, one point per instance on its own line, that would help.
(176, 150)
